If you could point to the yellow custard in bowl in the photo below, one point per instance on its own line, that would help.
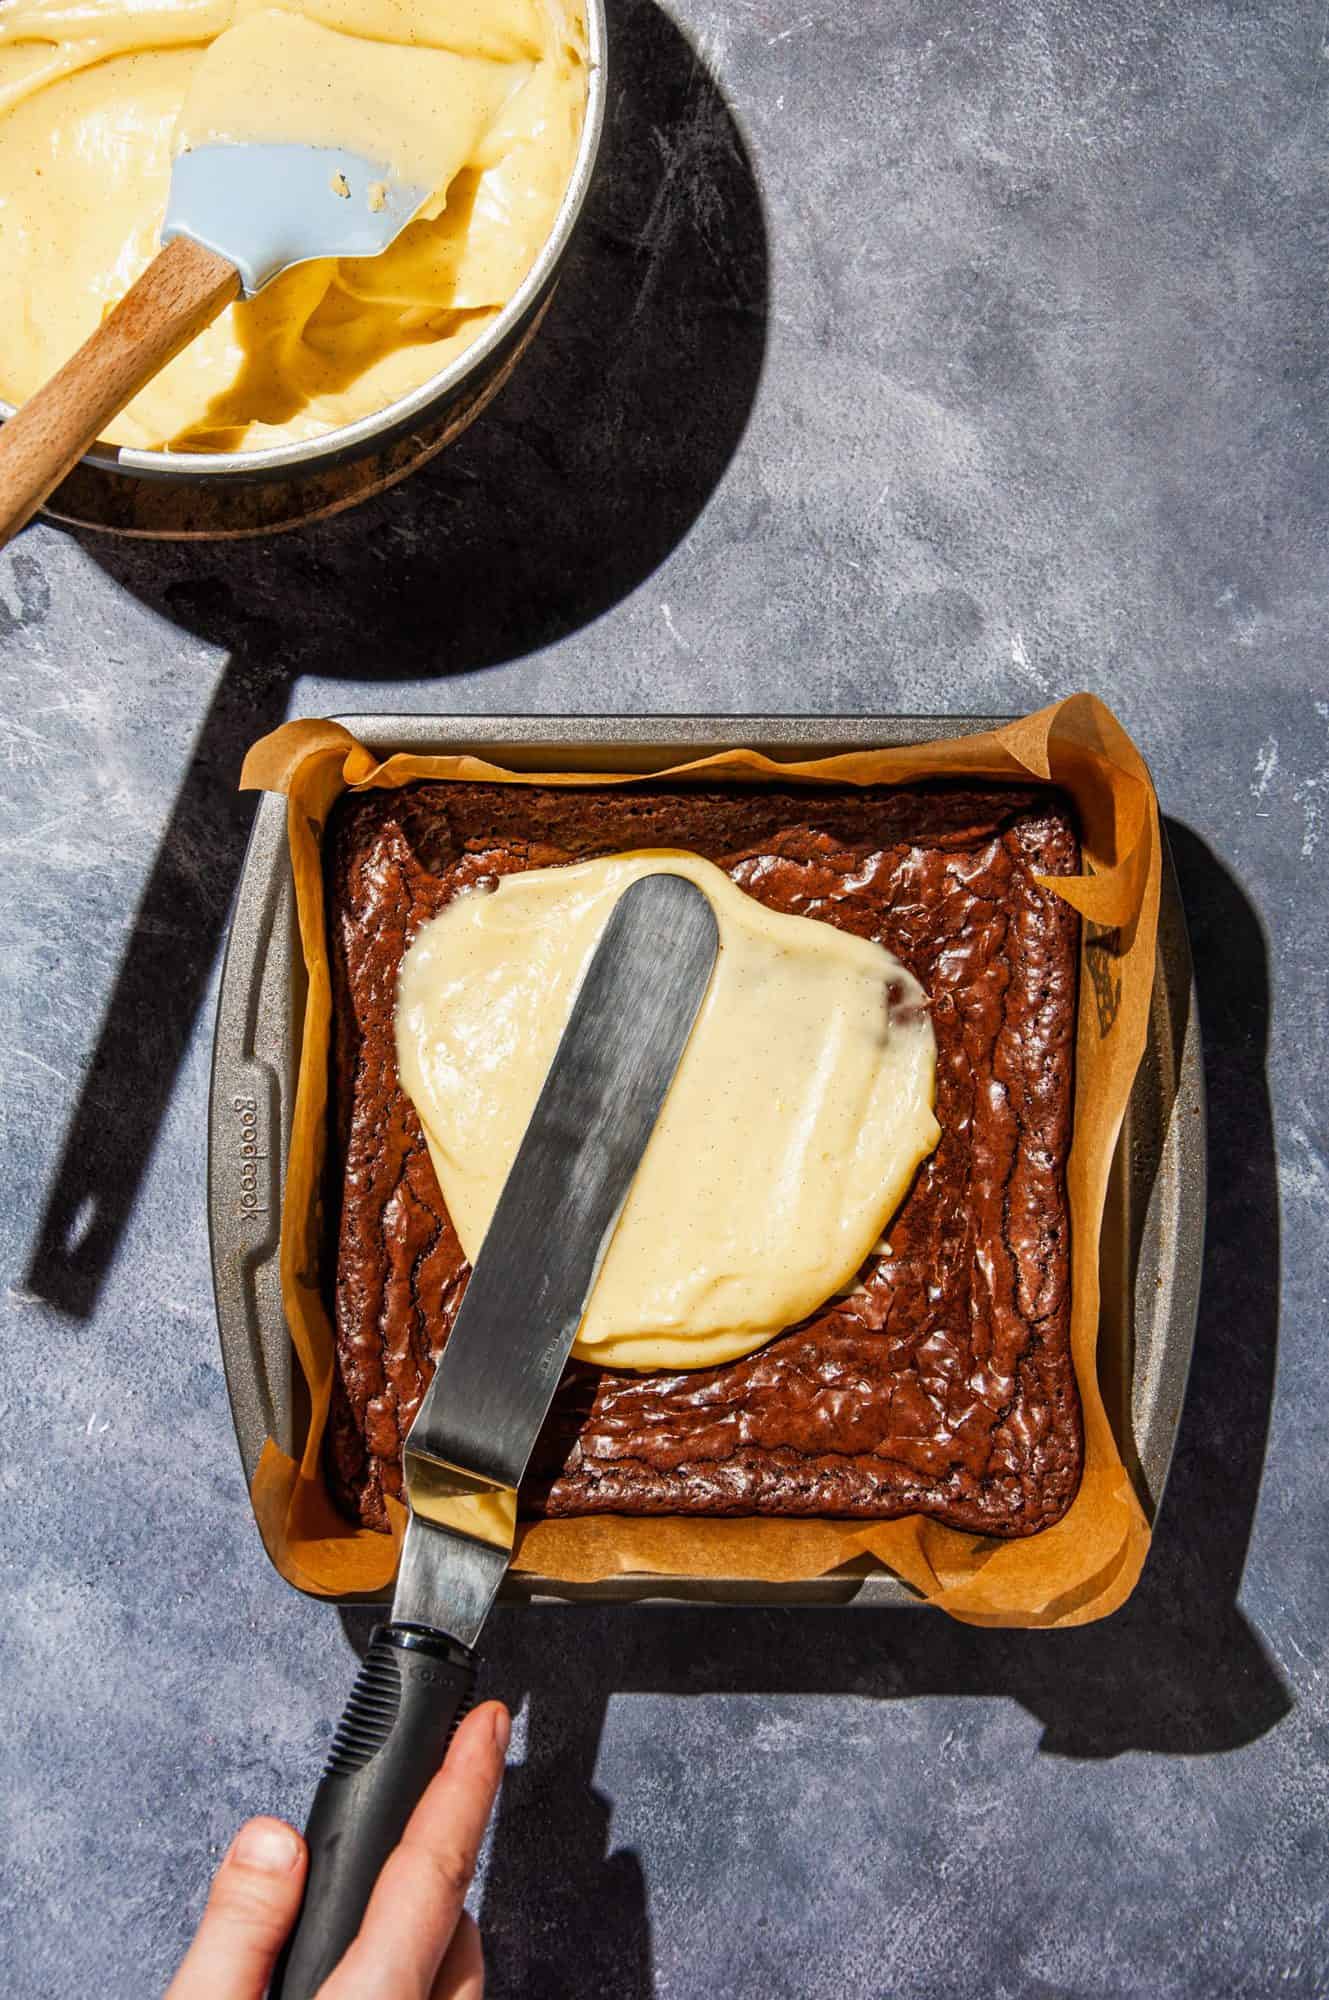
(92, 95)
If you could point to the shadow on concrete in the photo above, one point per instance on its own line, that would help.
(588, 469)
(1177, 1672)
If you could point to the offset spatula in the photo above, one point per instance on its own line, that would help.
(468, 1447)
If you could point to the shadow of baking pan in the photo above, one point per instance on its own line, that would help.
(577, 483)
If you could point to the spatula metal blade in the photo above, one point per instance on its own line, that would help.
(551, 1230)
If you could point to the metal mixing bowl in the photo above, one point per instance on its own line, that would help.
(197, 494)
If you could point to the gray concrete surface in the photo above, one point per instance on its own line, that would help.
(972, 355)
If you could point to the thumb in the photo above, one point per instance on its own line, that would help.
(253, 1903)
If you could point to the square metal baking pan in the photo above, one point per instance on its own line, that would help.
(1153, 1227)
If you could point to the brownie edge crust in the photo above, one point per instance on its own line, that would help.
(943, 1383)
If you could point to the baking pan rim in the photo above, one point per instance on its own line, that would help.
(1159, 1173)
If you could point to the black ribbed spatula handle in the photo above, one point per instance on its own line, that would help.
(412, 1691)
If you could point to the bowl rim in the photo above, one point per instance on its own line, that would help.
(354, 440)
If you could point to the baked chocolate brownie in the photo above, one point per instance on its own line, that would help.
(943, 1384)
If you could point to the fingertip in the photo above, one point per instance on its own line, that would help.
(487, 1728)
(267, 1845)
(501, 1724)
(251, 1906)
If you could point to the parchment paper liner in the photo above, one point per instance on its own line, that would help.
(1079, 1570)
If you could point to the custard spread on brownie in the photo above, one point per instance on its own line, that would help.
(941, 1382)
(799, 1112)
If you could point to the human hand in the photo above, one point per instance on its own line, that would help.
(416, 1942)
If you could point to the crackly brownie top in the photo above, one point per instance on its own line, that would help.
(943, 1383)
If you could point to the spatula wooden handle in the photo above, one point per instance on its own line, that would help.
(182, 291)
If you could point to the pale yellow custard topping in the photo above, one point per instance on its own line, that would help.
(793, 1127)
(487, 100)
(421, 111)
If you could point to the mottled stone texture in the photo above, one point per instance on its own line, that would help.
(971, 355)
